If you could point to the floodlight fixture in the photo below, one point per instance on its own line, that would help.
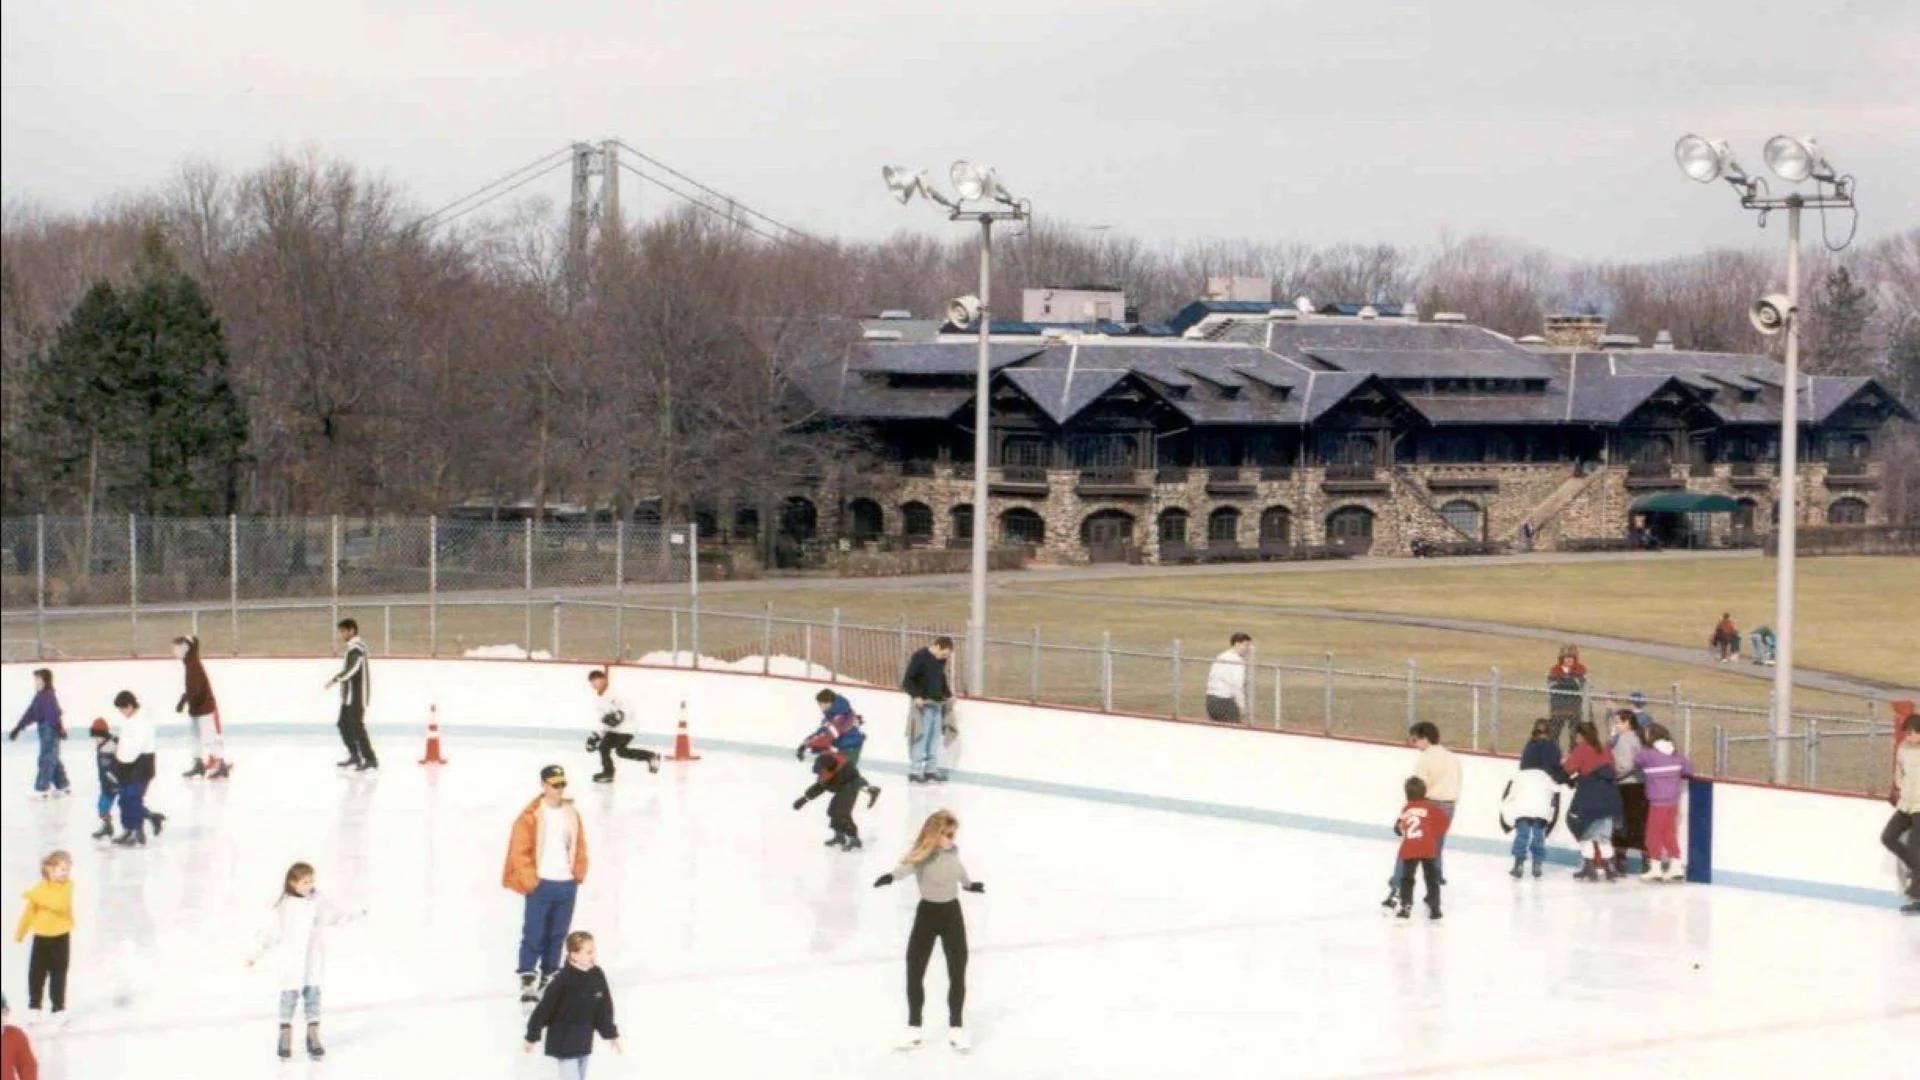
(1797, 159)
(903, 183)
(1706, 160)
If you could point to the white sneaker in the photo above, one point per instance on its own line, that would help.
(909, 1041)
(957, 1038)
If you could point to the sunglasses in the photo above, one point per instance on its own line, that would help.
(556, 783)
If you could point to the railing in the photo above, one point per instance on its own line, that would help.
(1276, 473)
(1351, 471)
(1170, 474)
(1490, 712)
(916, 467)
(1662, 469)
(1023, 474)
(1846, 467)
(1109, 474)
(1700, 469)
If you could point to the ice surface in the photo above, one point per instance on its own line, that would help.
(1111, 942)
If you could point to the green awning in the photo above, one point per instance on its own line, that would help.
(1686, 502)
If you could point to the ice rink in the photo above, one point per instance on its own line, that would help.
(1111, 942)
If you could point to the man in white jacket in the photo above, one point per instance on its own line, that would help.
(1227, 682)
(612, 736)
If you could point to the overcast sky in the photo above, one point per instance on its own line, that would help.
(1269, 119)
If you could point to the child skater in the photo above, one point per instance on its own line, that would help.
(1421, 826)
(1596, 802)
(934, 863)
(104, 748)
(840, 729)
(43, 712)
(609, 712)
(1664, 768)
(833, 772)
(16, 1050)
(133, 770)
(295, 938)
(1530, 806)
(49, 915)
(577, 1003)
(197, 702)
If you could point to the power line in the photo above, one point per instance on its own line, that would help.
(714, 210)
(501, 194)
(670, 170)
(430, 219)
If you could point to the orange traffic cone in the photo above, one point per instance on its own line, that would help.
(433, 738)
(682, 743)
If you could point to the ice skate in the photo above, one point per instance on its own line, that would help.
(159, 822)
(1538, 870)
(1651, 873)
(314, 1049)
(199, 769)
(603, 778)
(1586, 872)
(1393, 899)
(938, 777)
(957, 1038)
(1676, 872)
(873, 795)
(837, 841)
(136, 837)
(1911, 907)
(545, 978)
(853, 844)
(367, 766)
(1514, 873)
(1611, 873)
(220, 771)
(529, 988)
(916, 778)
(286, 1042)
(1433, 914)
(1404, 911)
(105, 831)
(653, 764)
(909, 1041)
(350, 763)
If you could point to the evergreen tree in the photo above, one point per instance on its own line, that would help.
(72, 421)
(1839, 327)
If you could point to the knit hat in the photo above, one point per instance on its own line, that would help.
(1638, 698)
(99, 728)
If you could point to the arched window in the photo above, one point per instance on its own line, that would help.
(1467, 517)
(1351, 527)
(1276, 526)
(708, 523)
(1847, 512)
(1031, 450)
(746, 523)
(1743, 517)
(1173, 526)
(961, 520)
(1108, 535)
(1223, 526)
(865, 520)
(916, 520)
(798, 518)
(1022, 526)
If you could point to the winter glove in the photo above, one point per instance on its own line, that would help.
(977, 886)
(593, 742)
(14, 736)
(800, 802)
(800, 752)
(612, 719)
(883, 881)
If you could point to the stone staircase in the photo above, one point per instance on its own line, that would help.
(1543, 513)
(1424, 500)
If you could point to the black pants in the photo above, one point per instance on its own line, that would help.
(1907, 851)
(353, 732)
(1630, 829)
(943, 921)
(840, 811)
(47, 967)
(614, 744)
(1431, 872)
(1223, 710)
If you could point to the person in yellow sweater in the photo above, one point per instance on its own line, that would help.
(49, 917)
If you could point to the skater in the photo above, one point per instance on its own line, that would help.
(1905, 821)
(1596, 803)
(49, 916)
(197, 702)
(295, 936)
(1530, 805)
(1439, 770)
(134, 768)
(1227, 682)
(609, 712)
(935, 864)
(1421, 827)
(1664, 769)
(546, 862)
(928, 718)
(834, 772)
(16, 1051)
(1631, 830)
(840, 729)
(577, 1003)
(43, 712)
(355, 681)
(104, 748)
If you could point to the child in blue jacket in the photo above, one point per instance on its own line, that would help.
(103, 761)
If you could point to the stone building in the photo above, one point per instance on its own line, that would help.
(1243, 431)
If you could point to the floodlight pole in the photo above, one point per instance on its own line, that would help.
(982, 414)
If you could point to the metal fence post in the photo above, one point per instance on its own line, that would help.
(1033, 668)
(905, 654)
(433, 585)
(133, 585)
(386, 630)
(833, 647)
(526, 559)
(1278, 690)
(40, 586)
(693, 585)
(1686, 729)
(1177, 688)
(1413, 712)
(766, 639)
(553, 636)
(1252, 668)
(233, 580)
(1719, 751)
(673, 621)
(1328, 719)
(1476, 717)
(620, 589)
(1813, 751)
(808, 627)
(1773, 739)
(333, 582)
(1106, 671)
(193, 617)
(1493, 708)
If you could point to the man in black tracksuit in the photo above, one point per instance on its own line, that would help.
(356, 684)
(833, 772)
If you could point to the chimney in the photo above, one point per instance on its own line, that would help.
(1577, 331)
(1240, 288)
(1663, 341)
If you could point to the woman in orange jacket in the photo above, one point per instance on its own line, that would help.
(546, 862)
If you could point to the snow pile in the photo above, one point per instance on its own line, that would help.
(790, 666)
(505, 652)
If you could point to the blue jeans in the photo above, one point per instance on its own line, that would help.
(51, 773)
(923, 753)
(543, 927)
(289, 998)
(133, 804)
(573, 1068)
(1530, 838)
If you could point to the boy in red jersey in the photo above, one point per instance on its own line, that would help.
(1421, 827)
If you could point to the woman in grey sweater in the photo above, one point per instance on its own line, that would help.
(935, 865)
(1630, 831)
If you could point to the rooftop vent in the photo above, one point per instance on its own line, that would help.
(881, 335)
(895, 313)
(1619, 341)
(1663, 341)
(1369, 312)
(1449, 317)
(1410, 312)
(1532, 339)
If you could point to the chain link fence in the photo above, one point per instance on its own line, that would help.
(116, 587)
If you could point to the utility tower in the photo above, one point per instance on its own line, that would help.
(591, 214)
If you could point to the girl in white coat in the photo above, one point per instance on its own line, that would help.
(296, 939)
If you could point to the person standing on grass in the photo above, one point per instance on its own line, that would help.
(355, 680)
(43, 712)
(1631, 830)
(197, 702)
(1439, 770)
(930, 699)
(1905, 821)
(546, 862)
(1726, 638)
(1227, 682)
